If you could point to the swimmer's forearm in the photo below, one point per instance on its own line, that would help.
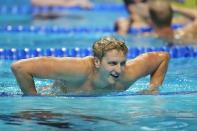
(52, 2)
(56, 2)
(190, 13)
(158, 75)
(24, 80)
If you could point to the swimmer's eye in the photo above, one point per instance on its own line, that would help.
(113, 63)
(123, 63)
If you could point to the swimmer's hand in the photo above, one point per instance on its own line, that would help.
(149, 92)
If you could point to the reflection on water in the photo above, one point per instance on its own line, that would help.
(101, 114)
(48, 118)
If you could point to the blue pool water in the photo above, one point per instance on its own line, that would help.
(101, 113)
(174, 109)
(68, 40)
(70, 19)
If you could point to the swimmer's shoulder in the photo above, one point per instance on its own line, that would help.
(81, 62)
(87, 64)
(88, 60)
(184, 36)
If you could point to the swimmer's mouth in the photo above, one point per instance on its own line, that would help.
(116, 76)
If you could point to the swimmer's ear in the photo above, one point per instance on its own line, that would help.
(97, 62)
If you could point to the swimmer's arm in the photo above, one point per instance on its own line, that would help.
(44, 67)
(53, 2)
(69, 3)
(154, 64)
(190, 28)
(190, 13)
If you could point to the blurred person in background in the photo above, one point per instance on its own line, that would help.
(81, 3)
(161, 15)
(138, 11)
(160, 18)
(50, 14)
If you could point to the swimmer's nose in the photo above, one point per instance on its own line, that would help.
(118, 68)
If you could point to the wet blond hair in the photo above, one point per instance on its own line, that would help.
(105, 44)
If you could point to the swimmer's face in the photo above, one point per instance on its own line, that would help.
(112, 65)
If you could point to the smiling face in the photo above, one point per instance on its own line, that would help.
(111, 66)
(109, 59)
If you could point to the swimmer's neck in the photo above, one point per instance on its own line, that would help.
(165, 33)
(98, 81)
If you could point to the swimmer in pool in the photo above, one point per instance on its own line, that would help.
(137, 10)
(66, 3)
(50, 14)
(107, 71)
(160, 19)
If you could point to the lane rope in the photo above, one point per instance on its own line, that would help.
(16, 54)
(56, 29)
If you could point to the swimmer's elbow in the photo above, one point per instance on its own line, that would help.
(165, 56)
(16, 67)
